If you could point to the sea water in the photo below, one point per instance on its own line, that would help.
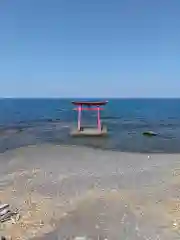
(37, 121)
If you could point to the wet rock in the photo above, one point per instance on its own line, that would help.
(150, 133)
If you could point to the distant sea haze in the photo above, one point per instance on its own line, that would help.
(38, 121)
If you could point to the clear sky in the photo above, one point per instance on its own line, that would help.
(93, 48)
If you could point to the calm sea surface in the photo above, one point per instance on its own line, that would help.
(36, 121)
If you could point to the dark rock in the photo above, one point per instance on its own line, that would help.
(150, 133)
(3, 238)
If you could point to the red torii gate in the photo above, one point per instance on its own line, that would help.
(89, 106)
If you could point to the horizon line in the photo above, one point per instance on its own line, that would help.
(89, 98)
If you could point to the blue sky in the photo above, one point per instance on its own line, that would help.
(90, 48)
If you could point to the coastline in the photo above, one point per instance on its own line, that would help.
(57, 188)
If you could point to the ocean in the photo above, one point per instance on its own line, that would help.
(36, 121)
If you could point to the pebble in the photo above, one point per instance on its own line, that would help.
(114, 190)
(80, 238)
(175, 224)
(65, 214)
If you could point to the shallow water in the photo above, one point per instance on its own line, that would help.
(32, 121)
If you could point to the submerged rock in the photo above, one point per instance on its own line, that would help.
(150, 133)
